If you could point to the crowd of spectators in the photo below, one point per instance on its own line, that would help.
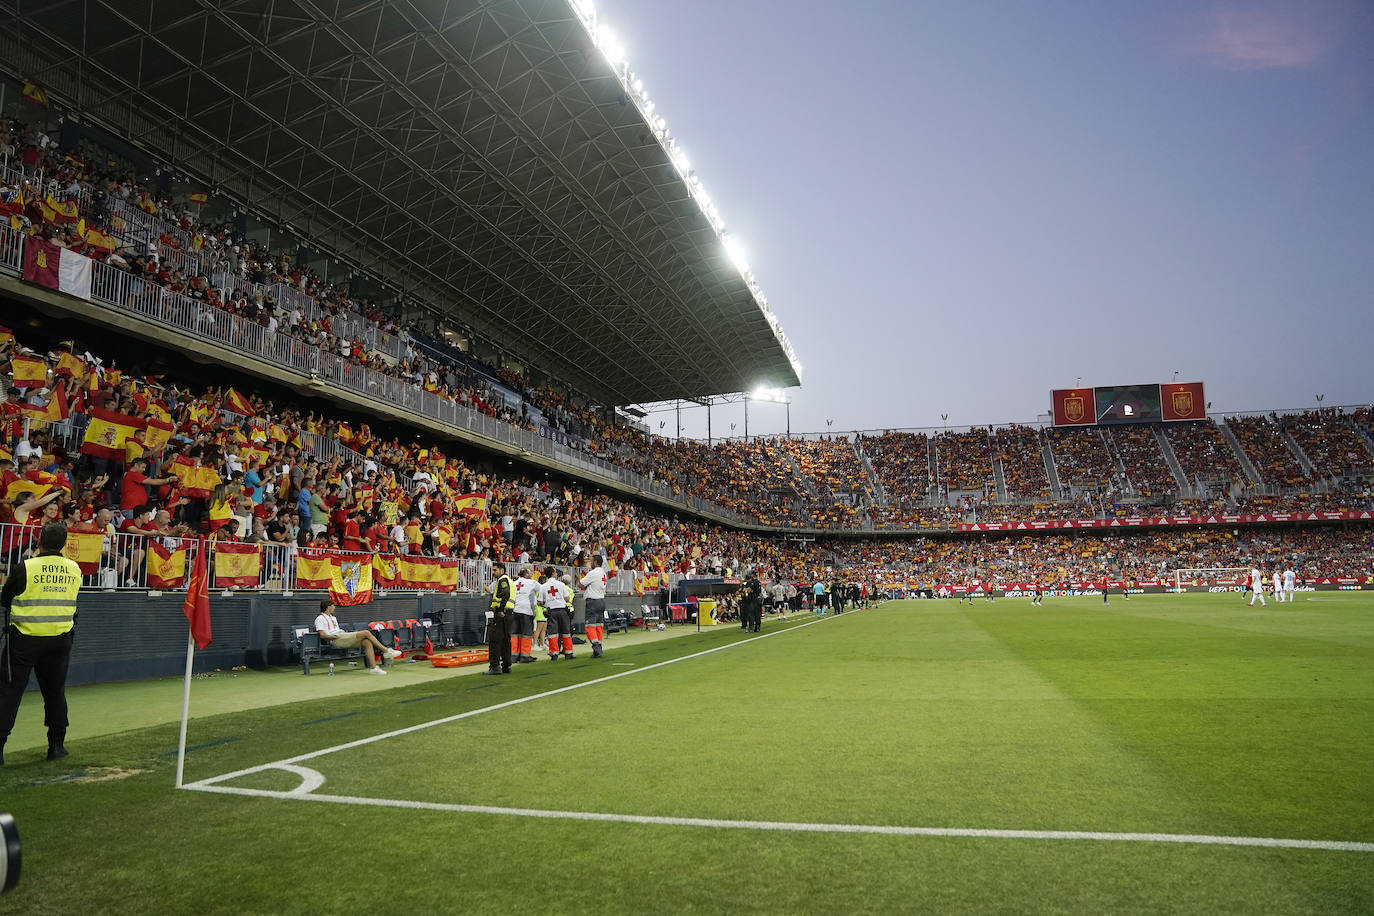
(1329, 440)
(1147, 470)
(1020, 450)
(901, 462)
(1261, 438)
(1081, 458)
(1203, 452)
(964, 460)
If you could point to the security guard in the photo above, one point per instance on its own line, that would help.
(39, 597)
(499, 621)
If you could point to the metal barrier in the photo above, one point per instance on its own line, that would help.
(122, 563)
(122, 290)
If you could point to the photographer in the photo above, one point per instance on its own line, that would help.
(39, 598)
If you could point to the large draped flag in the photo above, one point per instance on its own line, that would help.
(351, 580)
(106, 434)
(197, 604)
(315, 569)
(85, 548)
(419, 573)
(237, 403)
(237, 565)
(166, 568)
(57, 268)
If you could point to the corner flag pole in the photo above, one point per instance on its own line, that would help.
(185, 706)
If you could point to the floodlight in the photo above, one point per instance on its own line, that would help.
(734, 251)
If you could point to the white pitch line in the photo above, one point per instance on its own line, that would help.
(801, 827)
(284, 764)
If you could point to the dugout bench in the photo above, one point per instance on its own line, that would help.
(402, 635)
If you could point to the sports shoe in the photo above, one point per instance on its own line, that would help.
(56, 752)
(491, 671)
(569, 655)
(378, 669)
(391, 653)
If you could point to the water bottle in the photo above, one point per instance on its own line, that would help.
(331, 669)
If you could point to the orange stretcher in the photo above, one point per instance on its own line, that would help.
(459, 659)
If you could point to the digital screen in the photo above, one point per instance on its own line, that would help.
(1128, 404)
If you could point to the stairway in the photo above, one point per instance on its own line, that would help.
(1166, 448)
(875, 486)
(998, 474)
(1050, 471)
(1303, 461)
(1230, 436)
(933, 466)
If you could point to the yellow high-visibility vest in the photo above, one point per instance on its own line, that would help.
(47, 605)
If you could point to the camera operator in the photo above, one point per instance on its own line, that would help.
(39, 598)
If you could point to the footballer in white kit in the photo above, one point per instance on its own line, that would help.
(1289, 580)
(1278, 587)
(1257, 584)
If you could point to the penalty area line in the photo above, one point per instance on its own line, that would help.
(802, 827)
(283, 764)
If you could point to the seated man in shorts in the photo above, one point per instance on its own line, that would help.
(327, 625)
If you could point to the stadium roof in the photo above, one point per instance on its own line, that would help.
(494, 158)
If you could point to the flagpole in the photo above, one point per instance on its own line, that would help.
(185, 705)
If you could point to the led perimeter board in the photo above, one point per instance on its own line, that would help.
(1111, 404)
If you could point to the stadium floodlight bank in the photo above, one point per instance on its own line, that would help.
(1207, 574)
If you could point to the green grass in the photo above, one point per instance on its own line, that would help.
(1170, 714)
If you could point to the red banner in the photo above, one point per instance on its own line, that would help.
(1170, 521)
(1182, 401)
(1074, 406)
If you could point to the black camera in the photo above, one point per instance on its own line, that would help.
(10, 853)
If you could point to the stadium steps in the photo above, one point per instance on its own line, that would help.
(1303, 461)
(875, 485)
(1230, 436)
(1050, 470)
(1166, 448)
(999, 477)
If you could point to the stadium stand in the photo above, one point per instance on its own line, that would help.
(1147, 470)
(1081, 458)
(1020, 452)
(1262, 439)
(1203, 453)
(1330, 441)
(964, 460)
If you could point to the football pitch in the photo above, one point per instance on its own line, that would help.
(1166, 754)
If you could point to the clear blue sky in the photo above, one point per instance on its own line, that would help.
(955, 207)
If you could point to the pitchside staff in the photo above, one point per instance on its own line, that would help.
(40, 612)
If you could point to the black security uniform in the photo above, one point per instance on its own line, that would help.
(751, 605)
(498, 626)
(39, 597)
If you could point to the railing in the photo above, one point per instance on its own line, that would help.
(122, 563)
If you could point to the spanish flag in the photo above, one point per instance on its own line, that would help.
(238, 403)
(84, 547)
(199, 197)
(419, 573)
(96, 238)
(61, 212)
(344, 433)
(166, 568)
(385, 570)
(157, 434)
(106, 434)
(237, 565)
(160, 411)
(147, 205)
(448, 576)
(55, 411)
(29, 372)
(70, 365)
(314, 570)
(24, 485)
(471, 504)
(35, 94)
(195, 482)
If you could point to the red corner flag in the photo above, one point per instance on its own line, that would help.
(197, 607)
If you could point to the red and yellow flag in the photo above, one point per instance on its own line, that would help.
(85, 548)
(106, 434)
(351, 579)
(385, 570)
(419, 572)
(35, 94)
(237, 403)
(237, 565)
(55, 411)
(314, 570)
(471, 504)
(157, 434)
(70, 365)
(61, 212)
(29, 372)
(195, 482)
(199, 197)
(166, 568)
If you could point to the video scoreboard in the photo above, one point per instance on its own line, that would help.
(1110, 404)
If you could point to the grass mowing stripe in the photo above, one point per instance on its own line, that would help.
(799, 827)
(477, 712)
(432, 696)
(342, 715)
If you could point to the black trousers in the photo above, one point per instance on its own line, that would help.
(498, 641)
(46, 656)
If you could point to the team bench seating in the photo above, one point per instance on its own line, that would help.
(401, 635)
